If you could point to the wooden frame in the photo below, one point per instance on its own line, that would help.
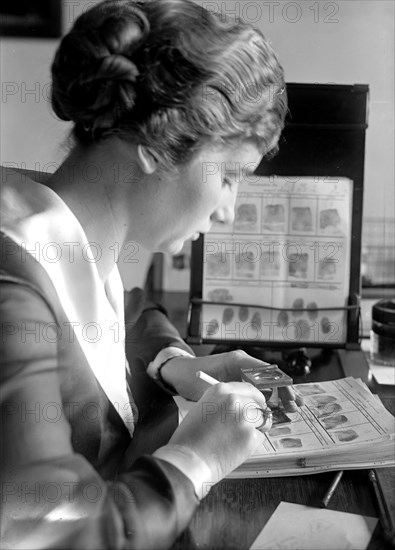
(324, 136)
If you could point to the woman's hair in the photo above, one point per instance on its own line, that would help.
(169, 75)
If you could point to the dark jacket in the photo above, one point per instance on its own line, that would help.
(63, 440)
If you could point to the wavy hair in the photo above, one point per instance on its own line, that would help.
(169, 75)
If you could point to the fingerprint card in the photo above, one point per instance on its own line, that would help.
(275, 214)
(283, 261)
(302, 216)
(247, 215)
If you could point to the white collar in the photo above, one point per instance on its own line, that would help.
(36, 218)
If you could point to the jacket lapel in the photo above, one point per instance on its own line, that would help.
(38, 220)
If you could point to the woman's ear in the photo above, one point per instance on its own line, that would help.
(146, 159)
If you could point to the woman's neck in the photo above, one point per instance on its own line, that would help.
(86, 183)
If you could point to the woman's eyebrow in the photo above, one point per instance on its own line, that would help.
(236, 167)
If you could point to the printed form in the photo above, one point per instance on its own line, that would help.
(288, 250)
(341, 425)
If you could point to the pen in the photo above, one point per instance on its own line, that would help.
(207, 378)
(331, 490)
(385, 515)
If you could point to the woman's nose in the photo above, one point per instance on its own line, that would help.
(224, 214)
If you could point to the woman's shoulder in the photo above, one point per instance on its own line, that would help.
(13, 173)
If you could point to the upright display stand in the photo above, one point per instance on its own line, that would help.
(324, 138)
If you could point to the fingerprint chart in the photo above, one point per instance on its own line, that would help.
(295, 206)
(288, 249)
(249, 323)
(340, 419)
(273, 259)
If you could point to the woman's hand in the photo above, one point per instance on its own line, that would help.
(180, 372)
(225, 426)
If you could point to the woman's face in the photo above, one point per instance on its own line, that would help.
(200, 193)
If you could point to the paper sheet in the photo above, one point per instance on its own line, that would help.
(294, 526)
(325, 433)
(383, 375)
(288, 248)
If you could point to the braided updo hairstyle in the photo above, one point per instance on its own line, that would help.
(169, 75)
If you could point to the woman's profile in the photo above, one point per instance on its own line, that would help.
(157, 92)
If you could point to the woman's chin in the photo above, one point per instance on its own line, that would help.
(172, 248)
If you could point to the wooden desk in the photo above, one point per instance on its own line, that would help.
(235, 511)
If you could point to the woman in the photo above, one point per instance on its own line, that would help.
(156, 90)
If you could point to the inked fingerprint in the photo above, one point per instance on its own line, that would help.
(324, 399)
(274, 217)
(312, 313)
(334, 421)
(328, 409)
(257, 320)
(218, 265)
(291, 442)
(326, 325)
(298, 303)
(246, 217)
(245, 265)
(310, 389)
(220, 295)
(270, 264)
(243, 313)
(329, 219)
(282, 318)
(303, 329)
(346, 435)
(298, 265)
(326, 270)
(301, 218)
(227, 315)
(212, 327)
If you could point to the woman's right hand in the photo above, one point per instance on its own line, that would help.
(225, 426)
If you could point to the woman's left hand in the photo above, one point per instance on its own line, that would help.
(180, 372)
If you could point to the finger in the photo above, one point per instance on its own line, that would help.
(287, 396)
(267, 420)
(218, 366)
(247, 390)
(241, 390)
(259, 438)
(204, 382)
(289, 399)
(299, 400)
(200, 387)
(242, 359)
(255, 416)
(227, 365)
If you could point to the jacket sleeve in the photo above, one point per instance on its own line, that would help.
(51, 496)
(148, 331)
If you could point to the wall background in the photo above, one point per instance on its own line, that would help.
(344, 42)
